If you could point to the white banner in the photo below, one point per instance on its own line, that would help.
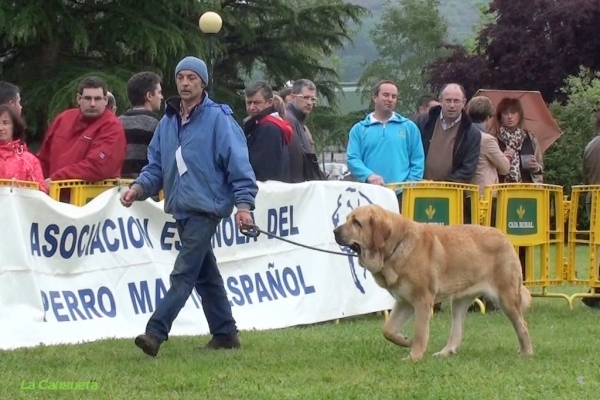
(70, 274)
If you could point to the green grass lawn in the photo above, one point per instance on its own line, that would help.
(327, 361)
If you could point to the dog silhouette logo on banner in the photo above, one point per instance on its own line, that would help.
(350, 199)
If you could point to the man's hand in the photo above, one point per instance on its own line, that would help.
(375, 179)
(129, 197)
(243, 218)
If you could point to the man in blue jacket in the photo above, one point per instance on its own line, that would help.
(385, 147)
(198, 156)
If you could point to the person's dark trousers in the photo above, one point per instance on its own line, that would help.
(494, 210)
(489, 305)
(195, 266)
(437, 307)
(522, 258)
(467, 210)
(399, 197)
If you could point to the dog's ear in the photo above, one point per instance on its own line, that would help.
(381, 230)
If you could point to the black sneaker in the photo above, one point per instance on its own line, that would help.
(223, 342)
(148, 343)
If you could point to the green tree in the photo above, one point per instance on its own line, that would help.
(410, 35)
(486, 17)
(47, 46)
(563, 160)
(576, 119)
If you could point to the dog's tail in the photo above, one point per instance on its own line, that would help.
(525, 298)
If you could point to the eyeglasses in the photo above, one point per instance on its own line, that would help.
(306, 97)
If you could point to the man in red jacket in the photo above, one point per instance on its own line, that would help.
(87, 142)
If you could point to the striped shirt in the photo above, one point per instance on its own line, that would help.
(139, 127)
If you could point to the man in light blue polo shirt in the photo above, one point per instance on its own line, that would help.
(386, 147)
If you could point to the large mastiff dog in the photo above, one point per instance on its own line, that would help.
(421, 264)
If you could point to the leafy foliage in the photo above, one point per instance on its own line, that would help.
(531, 45)
(470, 70)
(576, 119)
(410, 35)
(563, 160)
(485, 18)
(461, 16)
(330, 129)
(47, 46)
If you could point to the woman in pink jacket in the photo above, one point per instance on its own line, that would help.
(493, 162)
(16, 162)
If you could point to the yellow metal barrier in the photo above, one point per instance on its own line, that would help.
(588, 239)
(523, 212)
(19, 184)
(442, 203)
(79, 193)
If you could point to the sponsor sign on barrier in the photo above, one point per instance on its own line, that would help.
(70, 274)
(522, 217)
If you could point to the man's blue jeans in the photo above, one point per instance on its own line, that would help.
(195, 267)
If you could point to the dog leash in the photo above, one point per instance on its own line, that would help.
(254, 231)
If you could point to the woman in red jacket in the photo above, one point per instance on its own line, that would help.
(16, 162)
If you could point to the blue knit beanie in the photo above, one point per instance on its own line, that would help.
(193, 64)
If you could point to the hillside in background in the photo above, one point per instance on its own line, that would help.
(461, 16)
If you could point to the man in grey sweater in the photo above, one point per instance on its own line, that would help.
(145, 95)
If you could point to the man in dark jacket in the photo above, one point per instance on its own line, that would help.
(268, 135)
(450, 140)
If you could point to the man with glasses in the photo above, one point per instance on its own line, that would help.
(87, 142)
(303, 161)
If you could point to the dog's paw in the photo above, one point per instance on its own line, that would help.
(405, 341)
(445, 353)
(526, 353)
(413, 357)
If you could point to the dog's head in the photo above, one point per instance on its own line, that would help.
(366, 230)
